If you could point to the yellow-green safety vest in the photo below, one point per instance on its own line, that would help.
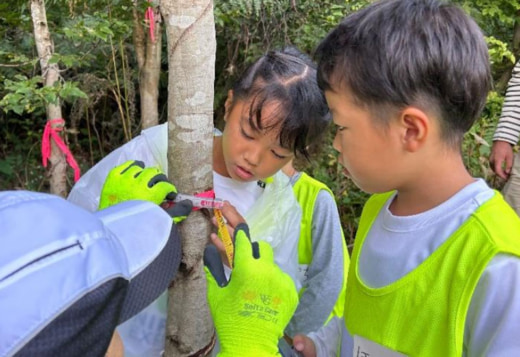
(306, 190)
(424, 312)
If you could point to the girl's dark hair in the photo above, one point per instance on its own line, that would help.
(287, 79)
(397, 53)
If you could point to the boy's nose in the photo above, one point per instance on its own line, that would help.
(336, 144)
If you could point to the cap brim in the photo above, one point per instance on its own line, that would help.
(67, 273)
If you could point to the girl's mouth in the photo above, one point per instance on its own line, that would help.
(243, 173)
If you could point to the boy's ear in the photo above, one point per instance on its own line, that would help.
(228, 104)
(416, 127)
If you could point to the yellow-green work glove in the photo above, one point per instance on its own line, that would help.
(132, 181)
(252, 309)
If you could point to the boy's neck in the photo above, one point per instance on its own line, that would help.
(431, 187)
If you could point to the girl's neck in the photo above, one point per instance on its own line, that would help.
(289, 170)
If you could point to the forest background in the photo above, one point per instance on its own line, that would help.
(99, 78)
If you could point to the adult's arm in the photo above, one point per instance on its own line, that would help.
(507, 132)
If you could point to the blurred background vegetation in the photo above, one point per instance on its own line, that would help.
(98, 87)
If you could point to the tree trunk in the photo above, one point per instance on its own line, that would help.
(149, 62)
(190, 31)
(516, 36)
(50, 72)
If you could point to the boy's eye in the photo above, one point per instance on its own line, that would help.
(278, 156)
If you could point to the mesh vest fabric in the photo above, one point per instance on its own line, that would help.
(306, 190)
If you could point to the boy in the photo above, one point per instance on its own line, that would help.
(435, 269)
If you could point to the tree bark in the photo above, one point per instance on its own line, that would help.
(138, 36)
(149, 61)
(50, 72)
(190, 31)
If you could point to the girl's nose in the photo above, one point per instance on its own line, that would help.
(253, 155)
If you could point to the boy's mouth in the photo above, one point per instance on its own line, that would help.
(243, 173)
(344, 169)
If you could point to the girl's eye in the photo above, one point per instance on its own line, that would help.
(341, 128)
(278, 156)
(245, 135)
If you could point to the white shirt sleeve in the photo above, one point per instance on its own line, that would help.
(328, 338)
(493, 319)
(325, 273)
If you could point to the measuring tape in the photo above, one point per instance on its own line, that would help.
(224, 236)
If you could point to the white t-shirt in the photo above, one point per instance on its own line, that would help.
(392, 249)
(241, 194)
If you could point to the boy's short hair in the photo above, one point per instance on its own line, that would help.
(288, 78)
(396, 53)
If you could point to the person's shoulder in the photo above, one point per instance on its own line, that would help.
(499, 222)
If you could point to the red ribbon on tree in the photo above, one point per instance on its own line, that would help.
(150, 18)
(52, 132)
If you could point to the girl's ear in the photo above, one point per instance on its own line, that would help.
(416, 127)
(228, 104)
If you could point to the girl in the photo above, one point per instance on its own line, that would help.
(273, 113)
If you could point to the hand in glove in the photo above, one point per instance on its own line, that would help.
(252, 309)
(132, 181)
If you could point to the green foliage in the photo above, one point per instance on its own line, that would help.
(95, 28)
(248, 28)
(91, 39)
(476, 146)
(26, 95)
(94, 51)
(499, 51)
(20, 167)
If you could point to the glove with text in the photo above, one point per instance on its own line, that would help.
(252, 309)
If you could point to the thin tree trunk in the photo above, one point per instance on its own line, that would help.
(138, 36)
(516, 36)
(190, 32)
(57, 170)
(149, 62)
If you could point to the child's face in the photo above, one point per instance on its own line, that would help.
(369, 152)
(250, 155)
